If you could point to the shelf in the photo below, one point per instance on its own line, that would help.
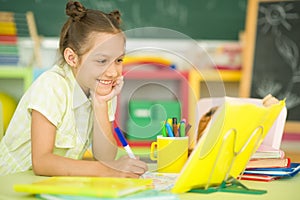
(10, 72)
(211, 75)
(12, 76)
(162, 84)
(185, 84)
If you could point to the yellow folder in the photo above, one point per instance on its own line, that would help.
(233, 135)
(86, 186)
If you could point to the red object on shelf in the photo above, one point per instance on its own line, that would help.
(139, 143)
(230, 68)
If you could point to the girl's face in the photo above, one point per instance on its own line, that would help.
(102, 64)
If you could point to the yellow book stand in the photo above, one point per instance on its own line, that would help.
(222, 153)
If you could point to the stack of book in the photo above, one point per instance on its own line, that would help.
(9, 54)
(269, 164)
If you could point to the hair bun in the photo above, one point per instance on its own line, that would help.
(75, 10)
(116, 15)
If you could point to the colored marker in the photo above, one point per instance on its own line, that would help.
(169, 121)
(163, 129)
(182, 129)
(174, 125)
(124, 143)
(169, 129)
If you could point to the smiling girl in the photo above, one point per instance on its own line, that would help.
(72, 105)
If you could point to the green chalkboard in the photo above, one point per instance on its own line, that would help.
(276, 55)
(271, 56)
(198, 19)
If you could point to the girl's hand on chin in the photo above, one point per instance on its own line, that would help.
(117, 87)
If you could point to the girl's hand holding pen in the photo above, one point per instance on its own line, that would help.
(135, 165)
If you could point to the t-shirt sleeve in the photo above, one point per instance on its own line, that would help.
(49, 97)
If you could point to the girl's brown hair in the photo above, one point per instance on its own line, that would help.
(77, 30)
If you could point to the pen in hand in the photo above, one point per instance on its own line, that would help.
(124, 143)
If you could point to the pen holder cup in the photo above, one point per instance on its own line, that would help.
(171, 153)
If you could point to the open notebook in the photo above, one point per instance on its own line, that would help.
(236, 131)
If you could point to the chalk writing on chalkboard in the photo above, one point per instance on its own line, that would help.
(163, 11)
(277, 26)
(271, 62)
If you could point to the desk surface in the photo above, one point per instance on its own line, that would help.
(279, 189)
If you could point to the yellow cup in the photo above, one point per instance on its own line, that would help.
(171, 153)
